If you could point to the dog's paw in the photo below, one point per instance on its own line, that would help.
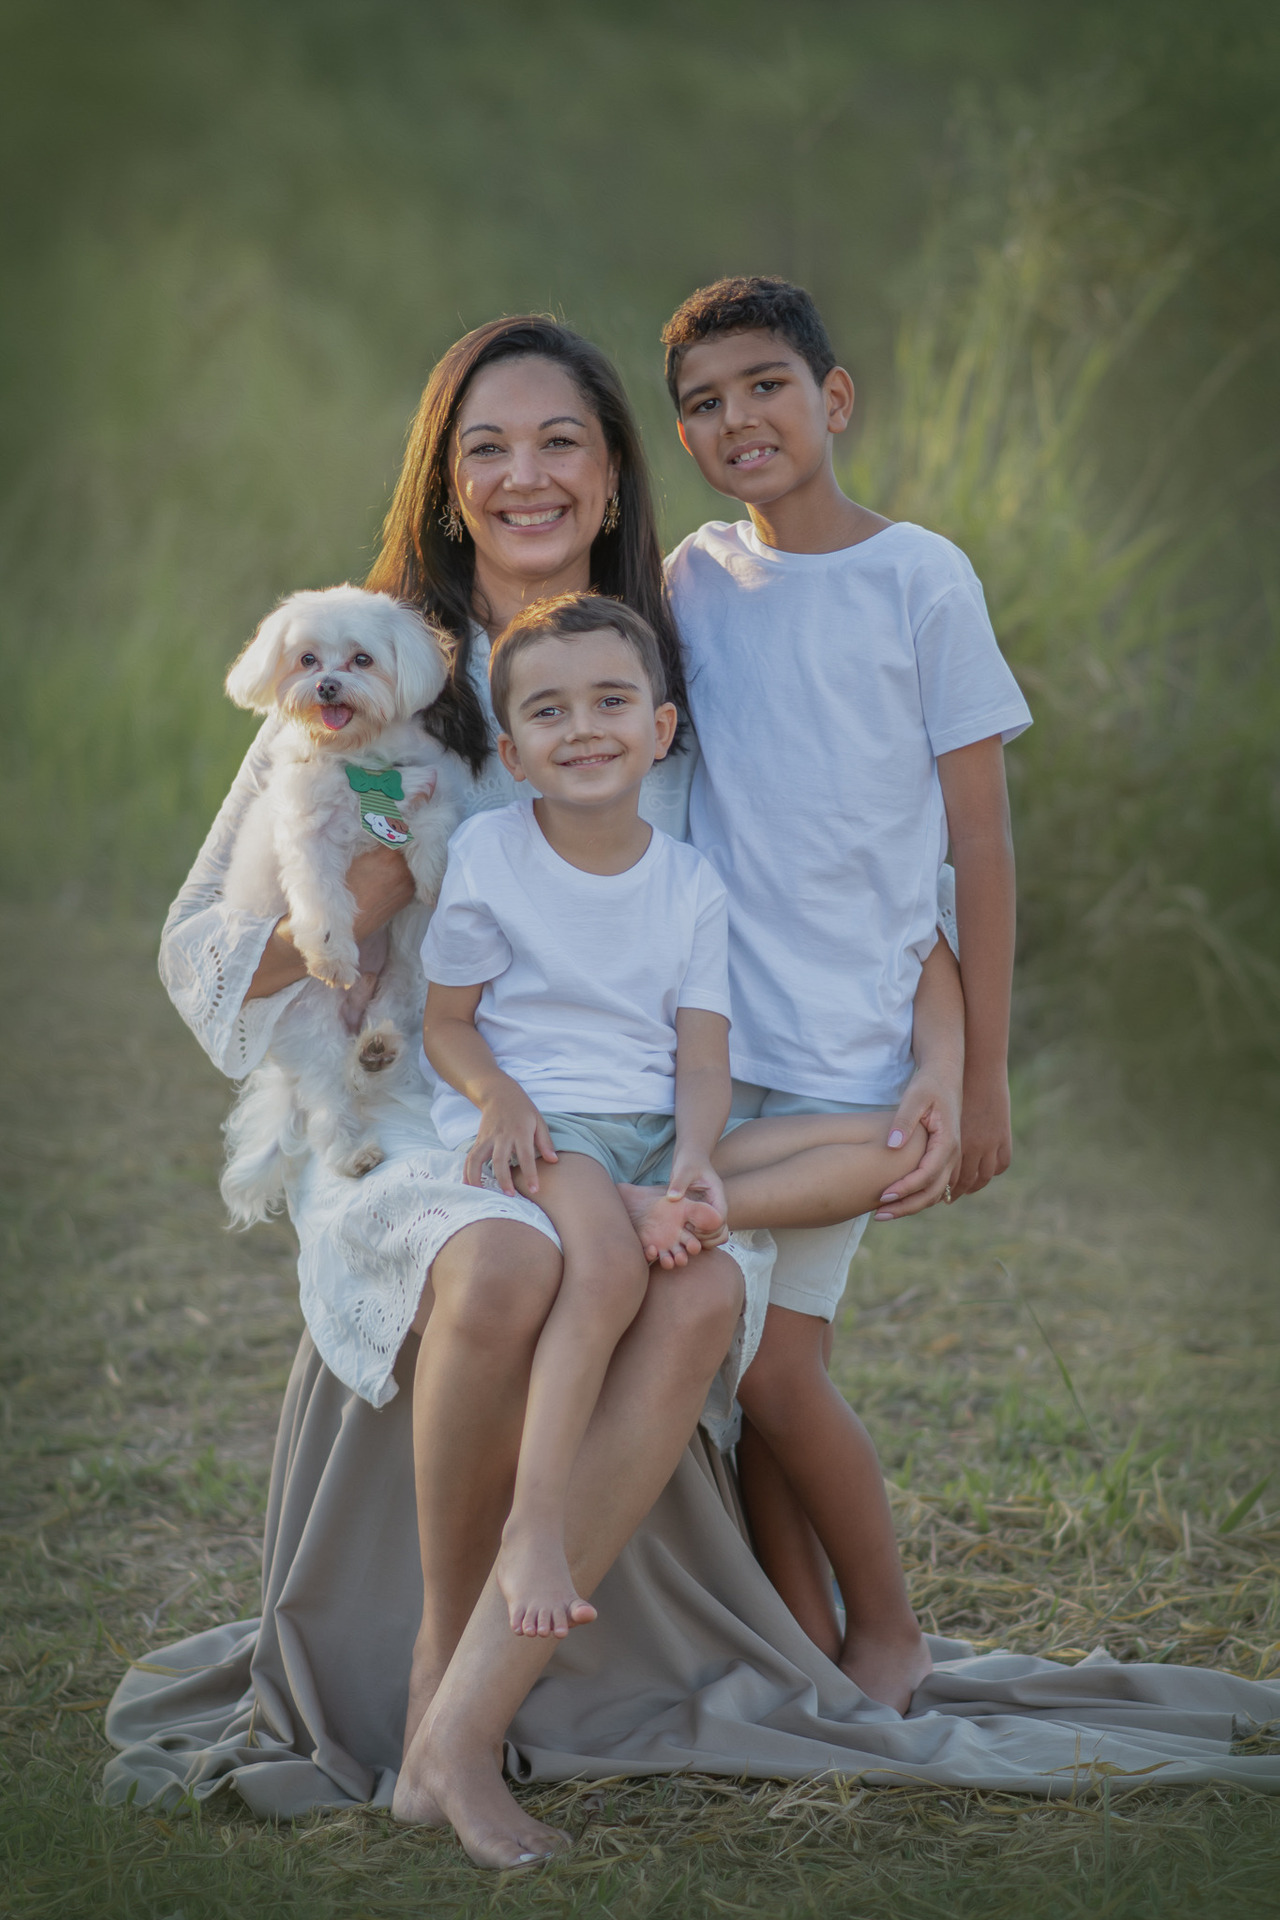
(379, 1049)
(333, 960)
(353, 1166)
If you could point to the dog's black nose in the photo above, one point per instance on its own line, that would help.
(328, 689)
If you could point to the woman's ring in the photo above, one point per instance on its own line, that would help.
(946, 1193)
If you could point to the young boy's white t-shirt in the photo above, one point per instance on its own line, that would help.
(583, 972)
(823, 687)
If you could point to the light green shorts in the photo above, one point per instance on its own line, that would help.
(632, 1147)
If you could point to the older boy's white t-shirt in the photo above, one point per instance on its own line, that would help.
(583, 972)
(823, 688)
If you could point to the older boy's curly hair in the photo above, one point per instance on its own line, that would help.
(737, 305)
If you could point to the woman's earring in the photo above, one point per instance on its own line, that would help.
(451, 521)
(612, 515)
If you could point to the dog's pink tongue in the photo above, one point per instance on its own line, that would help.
(335, 718)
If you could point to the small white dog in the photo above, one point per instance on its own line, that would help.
(347, 674)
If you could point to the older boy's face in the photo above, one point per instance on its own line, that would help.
(584, 729)
(753, 416)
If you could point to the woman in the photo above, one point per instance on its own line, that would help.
(523, 476)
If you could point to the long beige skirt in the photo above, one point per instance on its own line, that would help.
(694, 1665)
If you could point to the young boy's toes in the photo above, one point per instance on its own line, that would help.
(582, 1613)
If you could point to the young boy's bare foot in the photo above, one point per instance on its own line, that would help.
(536, 1584)
(889, 1669)
(464, 1789)
(671, 1231)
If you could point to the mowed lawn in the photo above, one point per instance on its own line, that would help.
(1073, 1381)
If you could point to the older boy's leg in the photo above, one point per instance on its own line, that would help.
(605, 1275)
(785, 1544)
(828, 1460)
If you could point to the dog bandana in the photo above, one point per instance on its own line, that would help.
(378, 795)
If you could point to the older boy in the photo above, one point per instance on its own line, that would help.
(852, 707)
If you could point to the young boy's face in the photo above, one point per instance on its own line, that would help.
(583, 726)
(753, 416)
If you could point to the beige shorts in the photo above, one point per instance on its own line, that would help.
(812, 1268)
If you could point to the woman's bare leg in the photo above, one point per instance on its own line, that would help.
(648, 1407)
(491, 1288)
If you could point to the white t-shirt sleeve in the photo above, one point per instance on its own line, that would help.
(464, 945)
(706, 979)
(967, 689)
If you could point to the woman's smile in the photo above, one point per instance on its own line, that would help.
(534, 517)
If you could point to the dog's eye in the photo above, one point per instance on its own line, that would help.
(307, 660)
(362, 660)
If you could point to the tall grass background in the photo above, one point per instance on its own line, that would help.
(238, 237)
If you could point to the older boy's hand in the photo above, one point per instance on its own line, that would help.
(986, 1135)
(933, 1104)
(512, 1134)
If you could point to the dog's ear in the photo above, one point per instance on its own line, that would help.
(252, 680)
(420, 662)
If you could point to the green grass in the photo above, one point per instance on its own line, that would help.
(1072, 1380)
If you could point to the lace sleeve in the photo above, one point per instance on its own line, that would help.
(209, 952)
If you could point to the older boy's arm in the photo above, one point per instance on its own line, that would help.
(977, 802)
(512, 1131)
(933, 1094)
(702, 1104)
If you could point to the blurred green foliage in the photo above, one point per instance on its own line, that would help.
(1044, 238)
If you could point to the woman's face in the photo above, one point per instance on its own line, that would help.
(531, 475)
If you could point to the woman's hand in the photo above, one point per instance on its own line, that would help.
(380, 883)
(932, 1101)
(512, 1133)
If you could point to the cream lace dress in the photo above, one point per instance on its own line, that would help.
(366, 1246)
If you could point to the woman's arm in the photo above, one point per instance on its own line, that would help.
(512, 1131)
(209, 951)
(933, 1094)
(381, 884)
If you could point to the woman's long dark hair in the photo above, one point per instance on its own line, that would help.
(420, 564)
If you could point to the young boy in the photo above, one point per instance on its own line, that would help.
(826, 810)
(577, 1014)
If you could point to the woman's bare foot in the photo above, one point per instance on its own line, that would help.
(889, 1669)
(536, 1584)
(671, 1231)
(466, 1791)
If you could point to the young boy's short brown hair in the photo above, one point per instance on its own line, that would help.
(740, 305)
(568, 616)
